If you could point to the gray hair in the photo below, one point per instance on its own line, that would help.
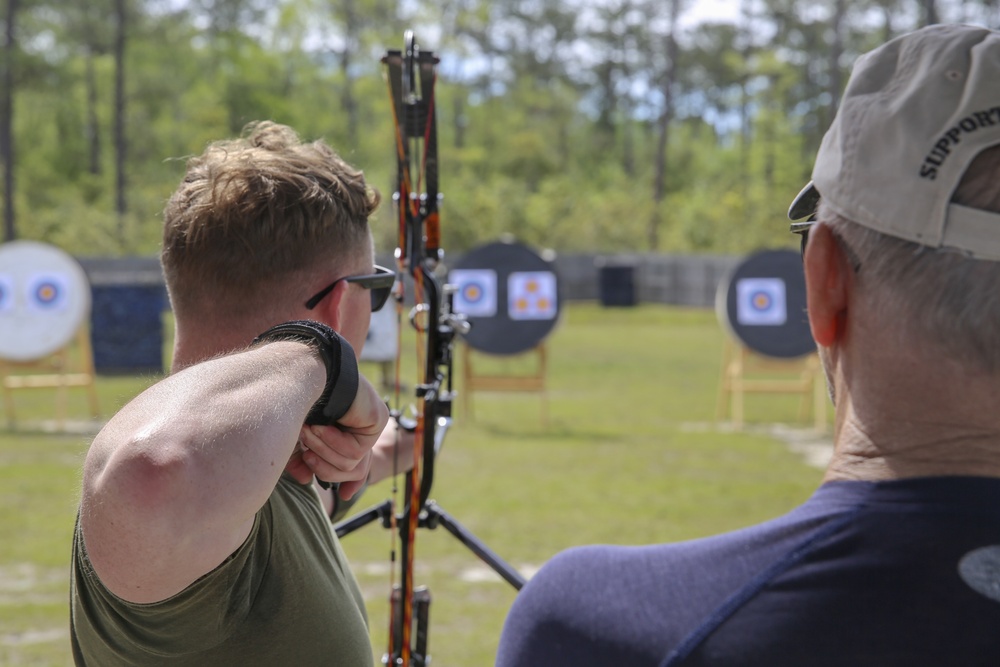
(935, 295)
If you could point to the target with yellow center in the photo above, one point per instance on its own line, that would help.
(44, 299)
(762, 302)
(510, 295)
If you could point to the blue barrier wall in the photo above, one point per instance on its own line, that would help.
(126, 317)
(126, 329)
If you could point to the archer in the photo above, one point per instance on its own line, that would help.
(201, 538)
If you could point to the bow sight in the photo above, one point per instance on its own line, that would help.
(411, 75)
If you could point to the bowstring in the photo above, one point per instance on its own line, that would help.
(397, 382)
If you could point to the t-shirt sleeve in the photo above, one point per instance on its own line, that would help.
(201, 616)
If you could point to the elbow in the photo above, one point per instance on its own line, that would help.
(139, 476)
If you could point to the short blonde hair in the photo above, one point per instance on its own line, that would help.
(941, 296)
(253, 213)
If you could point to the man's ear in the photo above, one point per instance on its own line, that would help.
(330, 309)
(828, 274)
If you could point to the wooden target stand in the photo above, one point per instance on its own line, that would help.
(770, 349)
(532, 381)
(746, 372)
(61, 370)
(509, 294)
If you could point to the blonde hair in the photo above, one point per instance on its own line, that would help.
(937, 295)
(254, 213)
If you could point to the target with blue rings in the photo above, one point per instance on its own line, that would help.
(48, 292)
(44, 300)
(762, 302)
(475, 292)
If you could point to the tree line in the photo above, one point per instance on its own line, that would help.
(578, 125)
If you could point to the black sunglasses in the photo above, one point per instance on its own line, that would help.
(380, 283)
(802, 229)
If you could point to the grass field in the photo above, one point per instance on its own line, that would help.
(630, 454)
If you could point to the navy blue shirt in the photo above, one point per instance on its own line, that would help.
(888, 574)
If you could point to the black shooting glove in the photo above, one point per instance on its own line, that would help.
(341, 366)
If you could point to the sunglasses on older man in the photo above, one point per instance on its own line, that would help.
(379, 283)
(802, 229)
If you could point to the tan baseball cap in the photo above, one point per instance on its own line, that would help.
(916, 111)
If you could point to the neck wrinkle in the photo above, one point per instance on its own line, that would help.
(930, 431)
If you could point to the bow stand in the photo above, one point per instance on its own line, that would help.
(411, 76)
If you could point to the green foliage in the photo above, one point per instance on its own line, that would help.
(548, 113)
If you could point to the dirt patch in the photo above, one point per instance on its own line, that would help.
(25, 583)
(34, 637)
(813, 445)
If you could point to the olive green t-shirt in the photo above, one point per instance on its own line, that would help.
(285, 597)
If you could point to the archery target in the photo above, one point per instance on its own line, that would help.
(509, 294)
(762, 302)
(382, 341)
(532, 295)
(475, 292)
(48, 292)
(44, 298)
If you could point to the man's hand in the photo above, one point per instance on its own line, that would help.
(343, 453)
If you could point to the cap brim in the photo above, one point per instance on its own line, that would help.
(805, 203)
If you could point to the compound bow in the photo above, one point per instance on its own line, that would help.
(418, 254)
(411, 75)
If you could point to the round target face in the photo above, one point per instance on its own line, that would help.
(510, 296)
(44, 298)
(472, 293)
(47, 294)
(475, 292)
(762, 302)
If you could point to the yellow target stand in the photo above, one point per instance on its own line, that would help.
(44, 307)
(62, 370)
(744, 372)
(533, 381)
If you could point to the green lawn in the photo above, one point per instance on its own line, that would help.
(629, 455)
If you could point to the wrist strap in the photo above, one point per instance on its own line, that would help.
(341, 366)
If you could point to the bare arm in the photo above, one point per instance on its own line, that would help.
(392, 454)
(172, 483)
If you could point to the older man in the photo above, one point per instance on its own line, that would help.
(895, 561)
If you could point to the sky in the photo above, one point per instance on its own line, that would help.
(710, 10)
